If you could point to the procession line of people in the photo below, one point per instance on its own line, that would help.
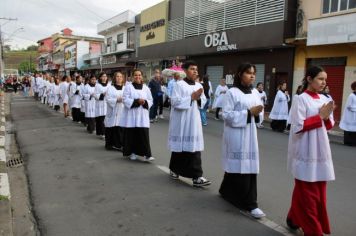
(120, 112)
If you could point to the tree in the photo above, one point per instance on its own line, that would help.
(32, 48)
(27, 66)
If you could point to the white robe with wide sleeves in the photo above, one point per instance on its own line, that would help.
(280, 107)
(185, 129)
(348, 120)
(114, 107)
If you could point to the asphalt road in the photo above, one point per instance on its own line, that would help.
(79, 188)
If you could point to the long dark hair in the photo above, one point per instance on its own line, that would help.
(242, 68)
(312, 72)
(206, 82)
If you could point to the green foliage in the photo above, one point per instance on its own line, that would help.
(27, 66)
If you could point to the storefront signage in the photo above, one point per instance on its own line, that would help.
(109, 60)
(70, 56)
(220, 41)
(332, 30)
(150, 35)
(153, 25)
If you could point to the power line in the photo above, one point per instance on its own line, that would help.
(88, 9)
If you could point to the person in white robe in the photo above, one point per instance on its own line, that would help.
(101, 89)
(50, 93)
(35, 85)
(240, 153)
(135, 120)
(279, 112)
(71, 84)
(348, 119)
(219, 99)
(185, 135)
(40, 87)
(309, 156)
(56, 94)
(89, 97)
(115, 106)
(64, 94)
(82, 103)
(75, 98)
(263, 96)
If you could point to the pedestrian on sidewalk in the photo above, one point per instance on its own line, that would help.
(279, 112)
(26, 86)
(156, 91)
(57, 94)
(348, 119)
(219, 100)
(101, 89)
(89, 97)
(115, 106)
(208, 93)
(75, 98)
(135, 118)
(64, 94)
(185, 135)
(240, 145)
(309, 156)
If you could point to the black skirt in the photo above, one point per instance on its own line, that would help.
(136, 141)
(113, 137)
(279, 125)
(349, 138)
(240, 190)
(186, 164)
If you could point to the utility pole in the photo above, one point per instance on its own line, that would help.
(1, 46)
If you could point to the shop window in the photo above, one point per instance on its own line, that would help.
(131, 38)
(108, 42)
(330, 6)
(120, 38)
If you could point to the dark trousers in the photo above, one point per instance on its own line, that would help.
(186, 164)
(240, 190)
(100, 127)
(349, 138)
(217, 112)
(36, 95)
(160, 105)
(76, 114)
(82, 117)
(136, 141)
(153, 109)
(90, 124)
(113, 137)
(279, 125)
(57, 107)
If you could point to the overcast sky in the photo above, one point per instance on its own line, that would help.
(42, 18)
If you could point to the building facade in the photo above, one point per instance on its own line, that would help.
(219, 35)
(326, 36)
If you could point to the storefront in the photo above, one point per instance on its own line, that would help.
(153, 31)
(331, 44)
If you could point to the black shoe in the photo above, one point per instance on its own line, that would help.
(291, 225)
(173, 175)
(200, 182)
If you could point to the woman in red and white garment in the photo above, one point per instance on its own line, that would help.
(309, 155)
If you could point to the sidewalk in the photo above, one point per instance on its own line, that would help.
(5, 209)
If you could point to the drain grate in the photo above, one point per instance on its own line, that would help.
(14, 162)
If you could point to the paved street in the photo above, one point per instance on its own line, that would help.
(78, 188)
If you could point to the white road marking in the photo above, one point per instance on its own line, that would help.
(4, 185)
(2, 155)
(265, 221)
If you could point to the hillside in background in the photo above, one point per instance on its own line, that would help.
(12, 59)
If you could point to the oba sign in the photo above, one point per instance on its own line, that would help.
(220, 41)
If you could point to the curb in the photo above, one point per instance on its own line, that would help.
(4, 179)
